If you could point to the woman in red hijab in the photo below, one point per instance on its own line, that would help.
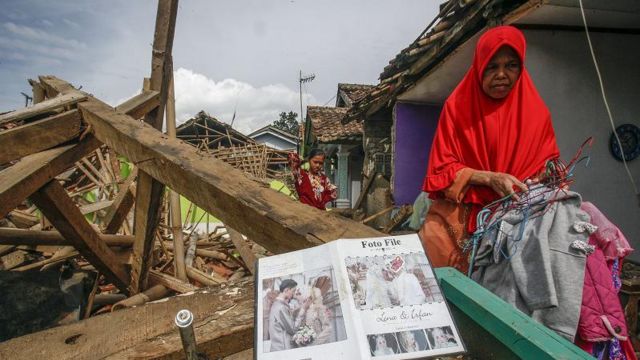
(494, 133)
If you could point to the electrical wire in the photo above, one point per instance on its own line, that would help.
(328, 101)
(606, 103)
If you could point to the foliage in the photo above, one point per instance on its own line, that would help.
(288, 122)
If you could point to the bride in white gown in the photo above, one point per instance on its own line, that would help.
(318, 317)
(405, 285)
(377, 288)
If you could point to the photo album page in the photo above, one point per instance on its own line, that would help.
(374, 298)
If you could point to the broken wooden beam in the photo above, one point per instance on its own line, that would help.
(33, 171)
(65, 216)
(9, 236)
(141, 104)
(202, 278)
(46, 107)
(39, 135)
(54, 86)
(269, 218)
(223, 325)
(19, 181)
(174, 197)
(151, 294)
(22, 220)
(50, 261)
(149, 193)
(121, 205)
(38, 91)
(170, 282)
(248, 256)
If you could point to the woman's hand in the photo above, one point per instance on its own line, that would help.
(294, 160)
(503, 184)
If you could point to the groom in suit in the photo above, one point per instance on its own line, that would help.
(282, 325)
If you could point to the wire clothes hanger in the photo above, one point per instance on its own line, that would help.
(557, 177)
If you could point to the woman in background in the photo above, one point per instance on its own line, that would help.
(313, 186)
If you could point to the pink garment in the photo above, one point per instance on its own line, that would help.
(601, 315)
(608, 237)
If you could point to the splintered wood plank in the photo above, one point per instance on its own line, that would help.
(170, 282)
(149, 194)
(271, 219)
(161, 61)
(45, 107)
(149, 191)
(54, 86)
(223, 323)
(247, 255)
(19, 181)
(38, 237)
(13, 259)
(141, 104)
(121, 205)
(65, 216)
(33, 171)
(39, 135)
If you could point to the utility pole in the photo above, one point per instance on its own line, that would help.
(301, 79)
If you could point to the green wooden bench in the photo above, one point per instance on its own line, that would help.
(493, 329)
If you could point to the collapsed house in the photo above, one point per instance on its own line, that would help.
(68, 126)
(259, 160)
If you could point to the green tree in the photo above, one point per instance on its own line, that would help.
(288, 122)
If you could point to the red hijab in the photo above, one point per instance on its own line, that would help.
(513, 135)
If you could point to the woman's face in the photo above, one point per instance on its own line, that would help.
(316, 163)
(381, 342)
(501, 73)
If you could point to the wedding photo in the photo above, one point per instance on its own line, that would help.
(412, 341)
(391, 280)
(301, 310)
(441, 337)
(383, 344)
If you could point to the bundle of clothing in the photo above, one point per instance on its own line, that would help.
(558, 260)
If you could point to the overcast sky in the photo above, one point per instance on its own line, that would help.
(227, 54)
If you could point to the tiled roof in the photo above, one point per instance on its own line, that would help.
(352, 92)
(328, 127)
(457, 21)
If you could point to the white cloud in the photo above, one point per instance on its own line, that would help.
(256, 106)
(44, 50)
(71, 23)
(38, 35)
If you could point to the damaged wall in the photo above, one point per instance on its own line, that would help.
(377, 143)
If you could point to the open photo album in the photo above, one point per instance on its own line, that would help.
(374, 298)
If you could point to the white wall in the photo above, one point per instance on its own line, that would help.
(562, 69)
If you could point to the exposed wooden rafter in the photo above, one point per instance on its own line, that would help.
(65, 216)
(39, 135)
